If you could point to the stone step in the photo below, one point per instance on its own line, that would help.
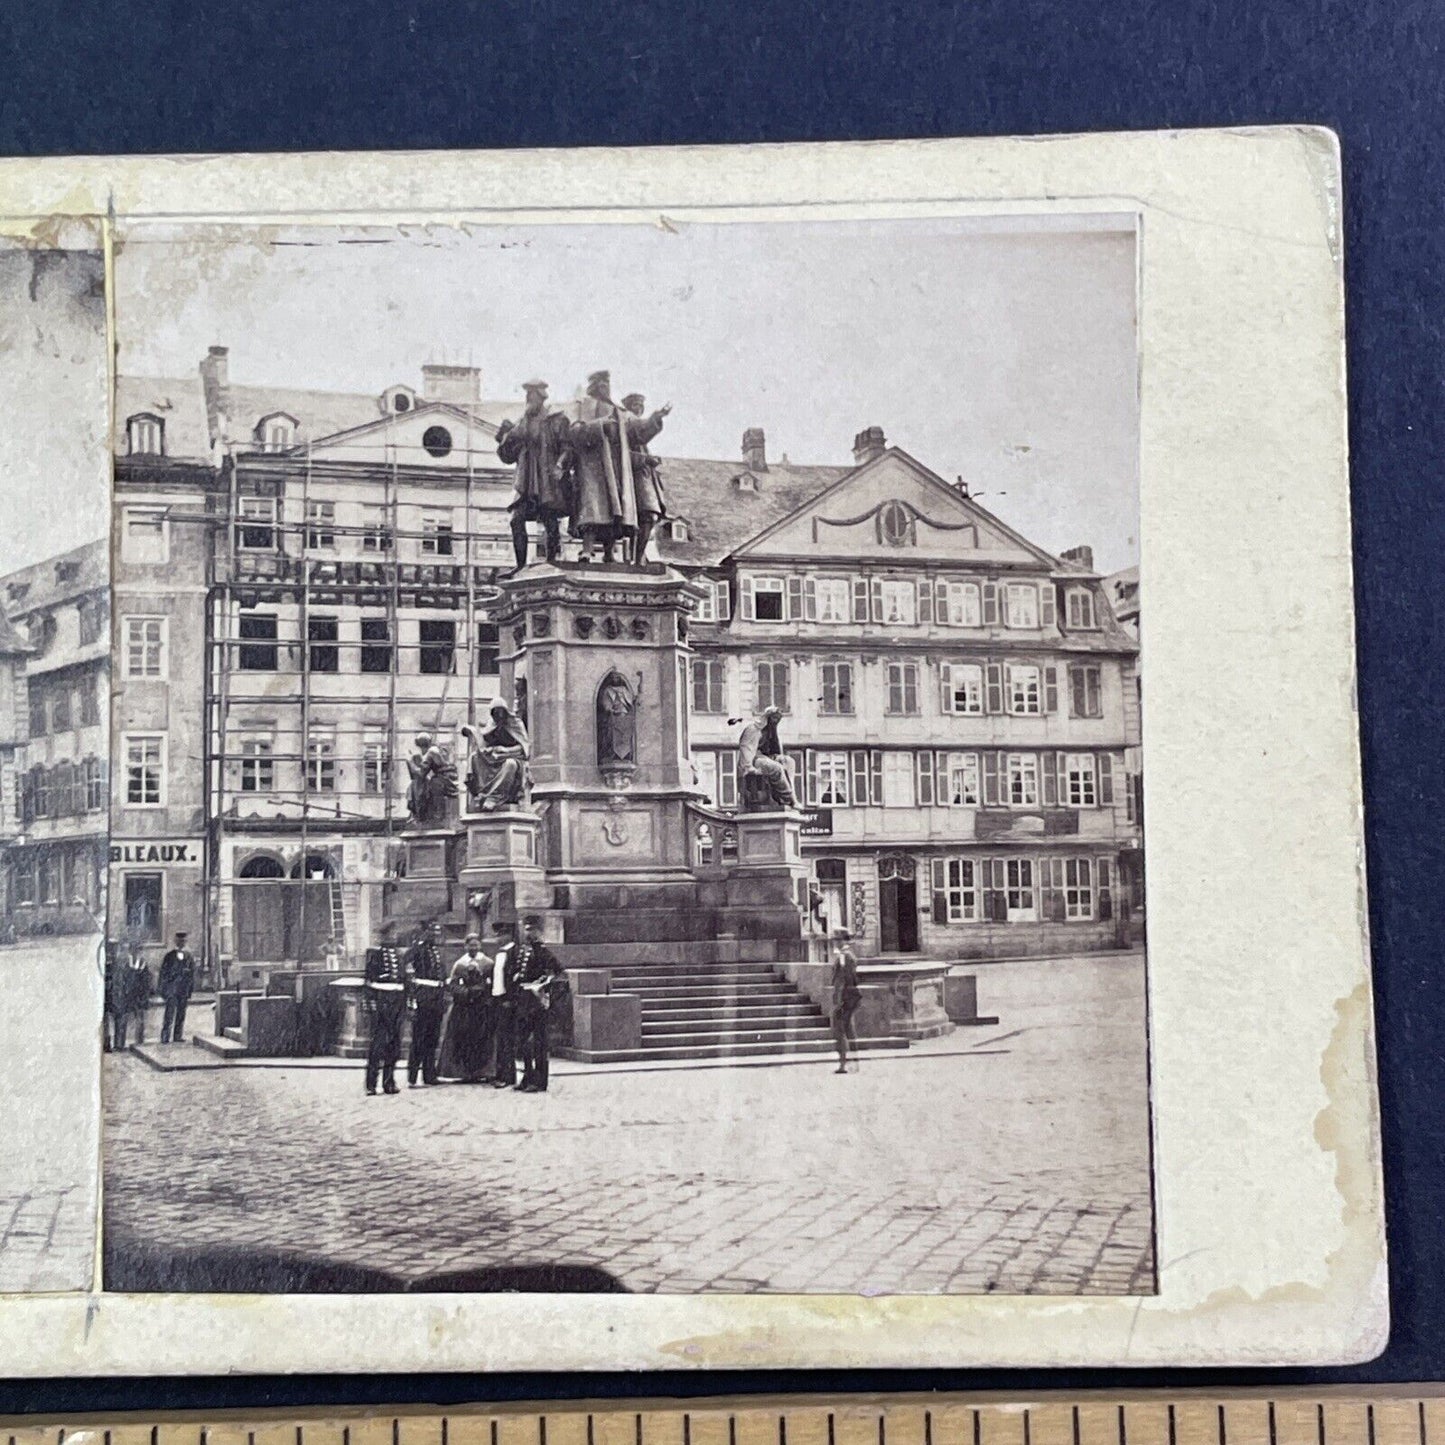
(671, 925)
(687, 1052)
(715, 994)
(639, 955)
(722, 975)
(220, 1045)
(745, 1012)
(665, 1035)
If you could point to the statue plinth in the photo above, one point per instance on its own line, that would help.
(770, 866)
(500, 868)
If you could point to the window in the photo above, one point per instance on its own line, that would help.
(258, 766)
(961, 784)
(707, 684)
(437, 440)
(258, 642)
(1081, 612)
(60, 708)
(1023, 605)
(1085, 692)
(894, 524)
(1078, 888)
(831, 788)
(90, 619)
(320, 764)
(375, 763)
(1023, 689)
(320, 525)
(1080, 790)
(321, 636)
(898, 789)
(375, 529)
(902, 689)
(727, 779)
(835, 603)
(257, 532)
(144, 771)
(276, 433)
(677, 531)
(145, 436)
(145, 537)
(438, 646)
(143, 906)
(768, 594)
(145, 647)
(899, 602)
(375, 644)
(89, 702)
(961, 891)
(774, 686)
(95, 785)
(436, 533)
(961, 606)
(39, 714)
(963, 688)
(489, 649)
(1021, 897)
(832, 876)
(1023, 780)
(837, 698)
(714, 604)
(23, 880)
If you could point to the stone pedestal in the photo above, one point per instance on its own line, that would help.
(426, 888)
(904, 1000)
(500, 868)
(770, 867)
(354, 1034)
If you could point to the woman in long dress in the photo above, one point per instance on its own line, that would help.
(468, 1034)
(846, 997)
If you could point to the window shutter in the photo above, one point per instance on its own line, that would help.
(945, 783)
(722, 603)
(1051, 689)
(990, 780)
(783, 685)
(876, 593)
(810, 599)
(746, 584)
(1052, 795)
(875, 777)
(795, 599)
(925, 599)
(1106, 778)
(1076, 689)
(925, 779)
(990, 604)
(860, 599)
(1052, 900)
(995, 899)
(945, 687)
(993, 691)
(1106, 890)
(798, 767)
(940, 890)
(844, 674)
(858, 768)
(1048, 603)
(811, 791)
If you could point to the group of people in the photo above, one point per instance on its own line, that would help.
(594, 471)
(128, 993)
(475, 1022)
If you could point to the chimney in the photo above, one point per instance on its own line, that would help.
(216, 384)
(755, 451)
(868, 444)
(462, 384)
(1084, 556)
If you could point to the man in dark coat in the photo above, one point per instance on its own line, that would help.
(504, 1006)
(177, 982)
(539, 976)
(540, 446)
(426, 1000)
(132, 994)
(384, 998)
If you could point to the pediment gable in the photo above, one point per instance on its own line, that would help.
(894, 509)
(434, 435)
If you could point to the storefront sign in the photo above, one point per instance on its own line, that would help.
(156, 852)
(817, 823)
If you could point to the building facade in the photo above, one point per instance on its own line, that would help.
(313, 584)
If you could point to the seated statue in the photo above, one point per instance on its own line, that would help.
(760, 757)
(497, 773)
(433, 782)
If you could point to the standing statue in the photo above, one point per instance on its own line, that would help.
(616, 722)
(646, 482)
(540, 446)
(760, 756)
(433, 782)
(497, 768)
(603, 438)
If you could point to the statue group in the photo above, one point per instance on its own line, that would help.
(497, 774)
(594, 471)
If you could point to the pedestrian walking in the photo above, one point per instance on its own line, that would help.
(177, 983)
(111, 997)
(426, 1002)
(469, 1031)
(384, 998)
(504, 1007)
(133, 993)
(539, 977)
(846, 997)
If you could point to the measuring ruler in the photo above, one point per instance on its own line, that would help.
(1405, 1415)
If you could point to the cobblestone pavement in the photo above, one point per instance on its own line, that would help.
(1012, 1160)
(49, 1127)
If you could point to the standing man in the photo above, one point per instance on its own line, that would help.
(760, 752)
(426, 1001)
(133, 993)
(540, 446)
(384, 998)
(538, 977)
(177, 982)
(504, 1007)
(646, 483)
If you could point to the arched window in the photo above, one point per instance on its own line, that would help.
(276, 432)
(145, 435)
(262, 866)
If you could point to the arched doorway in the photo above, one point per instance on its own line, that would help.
(897, 904)
(284, 916)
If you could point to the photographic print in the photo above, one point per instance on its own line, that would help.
(627, 760)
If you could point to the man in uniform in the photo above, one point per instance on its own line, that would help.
(538, 978)
(426, 1001)
(177, 981)
(760, 752)
(646, 483)
(540, 446)
(384, 997)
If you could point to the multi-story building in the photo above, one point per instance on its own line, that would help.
(956, 701)
(53, 699)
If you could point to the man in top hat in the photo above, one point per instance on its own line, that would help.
(646, 483)
(603, 438)
(384, 998)
(540, 446)
(177, 982)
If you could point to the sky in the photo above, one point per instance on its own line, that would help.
(1000, 351)
(54, 451)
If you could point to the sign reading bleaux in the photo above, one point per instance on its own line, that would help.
(160, 851)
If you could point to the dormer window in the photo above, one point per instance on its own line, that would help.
(276, 432)
(677, 531)
(67, 571)
(16, 591)
(145, 435)
(1081, 614)
(397, 399)
(746, 482)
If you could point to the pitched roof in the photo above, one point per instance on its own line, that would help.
(41, 584)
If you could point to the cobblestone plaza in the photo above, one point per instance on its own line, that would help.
(1012, 1159)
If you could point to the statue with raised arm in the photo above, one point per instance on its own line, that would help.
(433, 781)
(497, 774)
(646, 479)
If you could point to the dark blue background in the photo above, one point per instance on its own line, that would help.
(402, 74)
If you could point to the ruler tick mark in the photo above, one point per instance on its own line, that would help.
(1273, 1434)
(1076, 1425)
(1173, 1437)
(1222, 1437)
(928, 1427)
(1123, 1429)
